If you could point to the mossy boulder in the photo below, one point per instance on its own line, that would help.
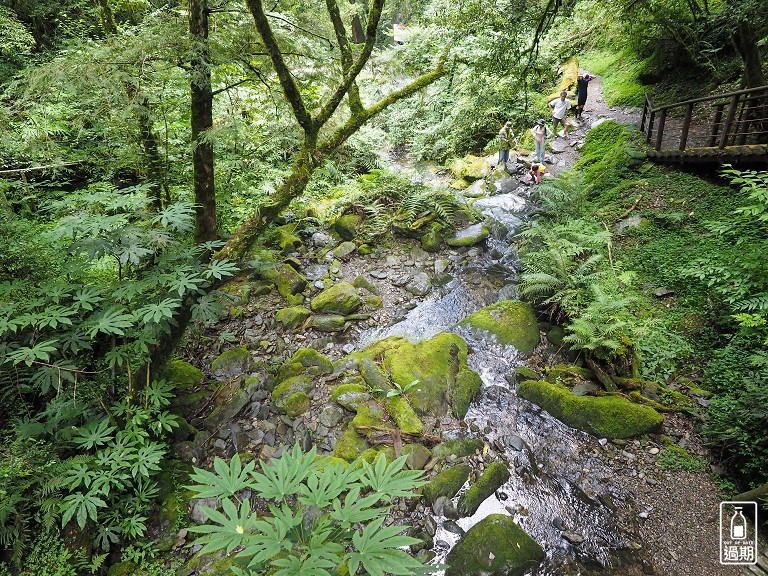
(373, 302)
(287, 239)
(373, 375)
(349, 445)
(568, 374)
(305, 361)
(293, 317)
(125, 568)
(182, 374)
(466, 388)
(432, 239)
(350, 396)
(447, 483)
(328, 322)
(363, 283)
(347, 226)
(435, 363)
(403, 415)
(603, 416)
(469, 168)
(469, 236)
(418, 456)
(231, 364)
(492, 479)
(343, 250)
(457, 448)
(555, 335)
(341, 298)
(297, 404)
(370, 414)
(287, 280)
(289, 387)
(512, 322)
(495, 545)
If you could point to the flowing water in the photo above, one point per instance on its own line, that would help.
(558, 485)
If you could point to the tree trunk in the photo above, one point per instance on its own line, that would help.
(201, 95)
(154, 163)
(746, 44)
(107, 18)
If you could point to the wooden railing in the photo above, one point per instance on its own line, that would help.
(732, 119)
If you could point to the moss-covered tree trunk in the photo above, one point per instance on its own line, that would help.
(201, 95)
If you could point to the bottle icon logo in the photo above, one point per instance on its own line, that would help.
(738, 525)
(738, 533)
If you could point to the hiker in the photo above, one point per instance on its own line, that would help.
(581, 94)
(506, 136)
(559, 108)
(536, 173)
(540, 134)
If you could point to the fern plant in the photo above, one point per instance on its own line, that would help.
(322, 515)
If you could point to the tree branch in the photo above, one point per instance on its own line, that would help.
(355, 104)
(291, 90)
(315, 34)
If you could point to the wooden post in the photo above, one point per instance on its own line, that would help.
(660, 133)
(645, 111)
(686, 126)
(650, 127)
(716, 124)
(729, 120)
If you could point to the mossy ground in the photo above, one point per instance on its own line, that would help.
(603, 416)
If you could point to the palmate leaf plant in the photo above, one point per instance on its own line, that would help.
(323, 515)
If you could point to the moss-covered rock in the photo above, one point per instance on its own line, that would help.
(182, 374)
(297, 404)
(447, 483)
(403, 415)
(492, 479)
(370, 414)
(347, 226)
(363, 283)
(603, 416)
(341, 298)
(287, 239)
(287, 280)
(343, 250)
(289, 387)
(511, 321)
(231, 364)
(469, 168)
(432, 239)
(417, 454)
(525, 373)
(457, 448)
(373, 375)
(555, 335)
(469, 236)
(305, 361)
(293, 317)
(350, 396)
(349, 445)
(373, 302)
(328, 322)
(495, 545)
(126, 568)
(467, 387)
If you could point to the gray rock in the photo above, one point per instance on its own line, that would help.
(195, 509)
(319, 284)
(515, 442)
(585, 388)
(469, 236)
(321, 239)
(430, 525)
(379, 274)
(558, 523)
(451, 526)
(573, 537)
(450, 510)
(439, 505)
(664, 292)
(419, 285)
(331, 416)
(328, 323)
(401, 280)
(344, 249)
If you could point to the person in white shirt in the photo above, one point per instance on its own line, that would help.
(559, 108)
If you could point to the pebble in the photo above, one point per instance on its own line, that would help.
(653, 451)
(603, 441)
(643, 515)
(320, 285)
(378, 274)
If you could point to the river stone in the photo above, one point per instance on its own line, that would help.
(446, 484)
(469, 236)
(514, 441)
(330, 416)
(555, 335)
(379, 274)
(350, 396)
(419, 285)
(432, 238)
(469, 168)
(231, 364)
(328, 323)
(227, 412)
(374, 376)
(287, 239)
(457, 448)
(321, 239)
(495, 545)
(347, 226)
(344, 249)
(363, 282)
(466, 388)
(476, 190)
(512, 323)
(288, 281)
(305, 361)
(292, 317)
(492, 479)
(585, 388)
(297, 404)
(604, 416)
(289, 387)
(418, 456)
(341, 298)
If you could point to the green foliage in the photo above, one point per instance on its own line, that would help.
(322, 515)
(672, 457)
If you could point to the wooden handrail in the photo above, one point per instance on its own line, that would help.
(708, 98)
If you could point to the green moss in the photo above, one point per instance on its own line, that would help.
(417, 454)
(403, 415)
(369, 455)
(347, 226)
(341, 298)
(349, 445)
(511, 321)
(287, 239)
(373, 302)
(457, 448)
(365, 284)
(311, 361)
(567, 374)
(603, 416)
(432, 239)
(495, 545)
(469, 236)
(374, 376)
(297, 404)
(123, 569)
(328, 322)
(370, 414)
(469, 168)
(350, 395)
(527, 373)
(182, 374)
(447, 483)
(492, 479)
(288, 281)
(290, 386)
(293, 317)
(467, 387)
(232, 363)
